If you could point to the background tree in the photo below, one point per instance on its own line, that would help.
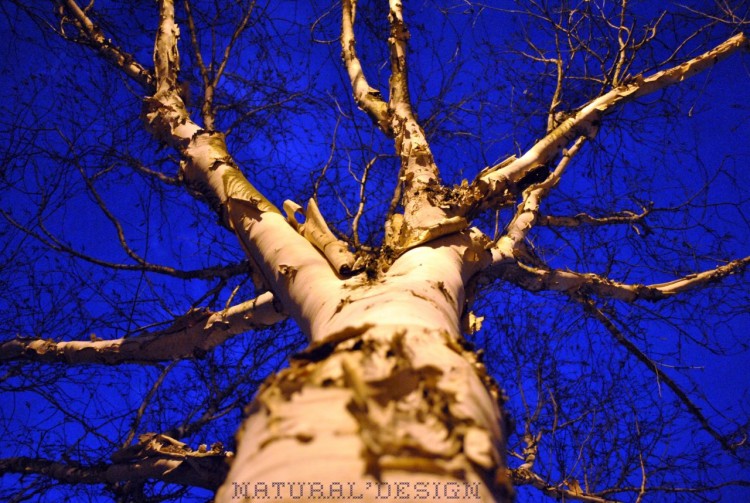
(562, 183)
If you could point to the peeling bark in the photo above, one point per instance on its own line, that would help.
(396, 402)
(537, 279)
(198, 469)
(392, 404)
(493, 183)
(192, 335)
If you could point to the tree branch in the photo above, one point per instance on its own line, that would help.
(620, 217)
(89, 33)
(210, 83)
(362, 198)
(167, 463)
(190, 336)
(524, 477)
(528, 211)
(493, 183)
(535, 279)
(399, 100)
(368, 98)
(693, 409)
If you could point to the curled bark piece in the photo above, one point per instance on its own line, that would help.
(412, 237)
(315, 229)
(238, 188)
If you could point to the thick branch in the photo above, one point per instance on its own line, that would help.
(166, 57)
(424, 217)
(620, 217)
(494, 182)
(200, 471)
(368, 98)
(537, 279)
(89, 33)
(528, 211)
(526, 477)
(192, 335)
(398, 100)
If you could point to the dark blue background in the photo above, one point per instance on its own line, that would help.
(295, 130)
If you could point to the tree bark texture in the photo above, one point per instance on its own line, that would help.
(386, 398)
(388, 401)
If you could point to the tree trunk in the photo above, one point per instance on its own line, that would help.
(387, 403)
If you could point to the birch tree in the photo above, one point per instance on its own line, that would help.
(375, 194)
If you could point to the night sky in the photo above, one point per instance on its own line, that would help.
(71, 137)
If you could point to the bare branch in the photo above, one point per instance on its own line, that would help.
(210, 83)
(703, 278)
(398, 100)
(679, 490)
(362, 199)
(190, 336)
(535, 279)
(494, 182)
(202, 68)
(53, 243)
(368, 98)
(617, 334)
(524, 477)
(144, 403)
(139, 167)
(189, 468)
(528, 211)
(89, 33)
(621, 217)
(166, 57)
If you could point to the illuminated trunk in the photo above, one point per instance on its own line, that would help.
(385, 398)
(386, 403)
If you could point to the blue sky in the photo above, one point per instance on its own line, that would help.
(67, 116)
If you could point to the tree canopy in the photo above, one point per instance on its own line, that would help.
(599, 147)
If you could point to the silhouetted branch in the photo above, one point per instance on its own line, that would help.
(176, 464)
(686, 401)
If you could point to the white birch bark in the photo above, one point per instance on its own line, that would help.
(395, 397)
(191, 335)
(385, 394)
(386, 397)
